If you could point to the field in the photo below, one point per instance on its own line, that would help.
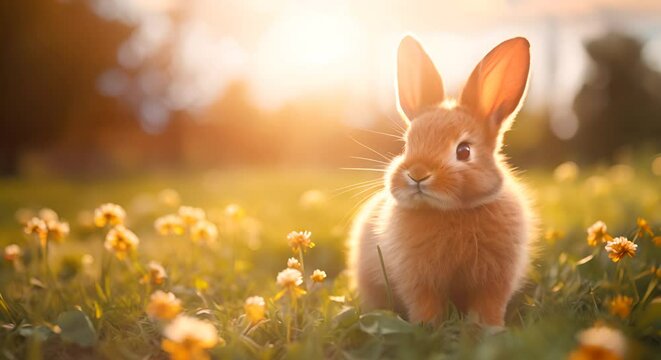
(76, 299)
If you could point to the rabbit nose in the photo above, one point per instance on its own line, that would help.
(418, 173)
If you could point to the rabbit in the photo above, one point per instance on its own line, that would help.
(453, 222)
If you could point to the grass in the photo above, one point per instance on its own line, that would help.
(74, 309)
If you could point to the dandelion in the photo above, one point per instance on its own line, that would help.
(170, 224)
(290, 280)
(188, 338)
(155, 275)
(254, 308)
(318, 276)
(205, 231)
(293, 263)
(109, 214)
(163, 306)
(191, 215)
(300, 241)
(619, 248)
(121, 241)
(12, 252)
(643, 228)
(58, 229)
(600, 342)
(37, 226)
(598, 233)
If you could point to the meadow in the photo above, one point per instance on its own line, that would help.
(87, 291)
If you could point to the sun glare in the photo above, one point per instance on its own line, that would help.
(316, 41)
(308, 49)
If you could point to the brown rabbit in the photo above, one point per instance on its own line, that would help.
(453, 222)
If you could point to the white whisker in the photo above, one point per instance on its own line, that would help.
(372, 150)
(365, 169)
(369, 159)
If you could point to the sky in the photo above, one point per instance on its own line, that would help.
(287, 50)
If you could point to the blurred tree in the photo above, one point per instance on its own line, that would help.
(620, 103)
(52, 53)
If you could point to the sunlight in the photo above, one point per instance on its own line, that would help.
(307, 49)
(314, 40)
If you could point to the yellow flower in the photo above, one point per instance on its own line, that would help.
(552, 235)
(121, 241)
(619, 248)
(187, 338)
(643, 228)
(254, 308)
(300, 240)
(290, 280)
(621, 306)
(293, 263)
(155, 275)
(598, 233)
(205, 231)
(109, 214)
(191, 215)
(58, 229)
(163, 306)
(12, 252)
(37, 226)
(170, 224)
(318, 276)
(600, 343)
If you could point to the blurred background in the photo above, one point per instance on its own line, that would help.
(115, 86)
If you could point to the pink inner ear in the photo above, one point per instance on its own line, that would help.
(498, 83)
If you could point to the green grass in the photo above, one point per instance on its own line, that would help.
(561, 298)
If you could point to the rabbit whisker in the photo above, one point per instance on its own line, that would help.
(369, 159)
(372, 150)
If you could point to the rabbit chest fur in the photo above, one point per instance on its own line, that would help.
(475, 258)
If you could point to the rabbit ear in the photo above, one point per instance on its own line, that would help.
(498, 83)
(418, 83)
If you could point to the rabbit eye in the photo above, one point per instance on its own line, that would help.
(463, 151)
